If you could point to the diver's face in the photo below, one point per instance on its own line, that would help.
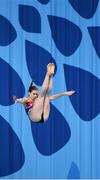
(33, 94)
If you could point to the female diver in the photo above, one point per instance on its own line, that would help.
(37, 105)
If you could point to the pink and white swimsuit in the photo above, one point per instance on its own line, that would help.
(28, 106)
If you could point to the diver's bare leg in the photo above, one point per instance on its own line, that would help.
(50, 83)
(47, 83)
(46, 100)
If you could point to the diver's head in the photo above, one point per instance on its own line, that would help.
(33, 91)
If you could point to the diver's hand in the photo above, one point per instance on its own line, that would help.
(69, 93)
(15, 98)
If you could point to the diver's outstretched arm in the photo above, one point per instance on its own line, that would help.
(19, 100)
(68, 93)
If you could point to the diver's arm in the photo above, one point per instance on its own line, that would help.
(68, 93)
(20, 100)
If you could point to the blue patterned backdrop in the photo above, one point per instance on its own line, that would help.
(32, 34)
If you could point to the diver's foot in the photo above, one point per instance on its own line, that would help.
(50, 68)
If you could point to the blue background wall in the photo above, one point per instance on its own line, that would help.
(33, 33)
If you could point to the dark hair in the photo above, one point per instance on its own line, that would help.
(31, 88)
